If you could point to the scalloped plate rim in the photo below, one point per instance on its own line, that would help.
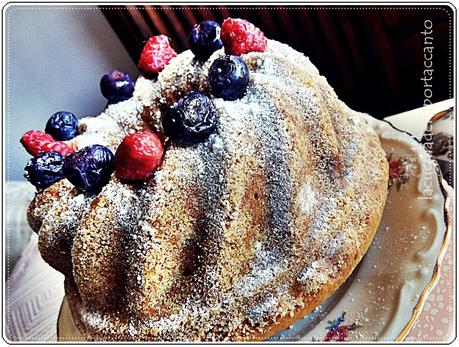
(447, 219)
(447, 192)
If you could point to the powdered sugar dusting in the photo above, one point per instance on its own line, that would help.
(233, 234)
(307, 198)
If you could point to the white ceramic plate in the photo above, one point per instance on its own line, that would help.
(386, 292)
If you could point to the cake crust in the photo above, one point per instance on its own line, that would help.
(232, 239)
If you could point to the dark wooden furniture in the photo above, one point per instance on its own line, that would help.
(372, 56)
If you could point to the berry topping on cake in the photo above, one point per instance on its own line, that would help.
(90, 168)
(240, 36)
(138, 156)
(62, 126)
(44, 169)
(198, 229)
(204, 39)
(228, 77)
(191, 120)
(116, 86)
(156, 54)
(36, 141)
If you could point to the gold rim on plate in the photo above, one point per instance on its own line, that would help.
(417, 310)
(447, 192)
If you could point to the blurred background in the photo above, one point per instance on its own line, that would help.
(55, 57)
(373, 57)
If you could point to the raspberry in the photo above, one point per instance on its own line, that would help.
(156, 54)
(339, 334)
(36, 141)
(240, 36)
(395, 169)
(138, 156)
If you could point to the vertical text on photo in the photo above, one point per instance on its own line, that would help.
(427, 78)
(428, 70)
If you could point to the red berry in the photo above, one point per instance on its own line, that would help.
(339, 334)
(156, 54)
(395, 169)
(240, 36)
(36, 141)
(138, 156)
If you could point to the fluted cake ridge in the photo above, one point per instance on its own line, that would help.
(233, 238)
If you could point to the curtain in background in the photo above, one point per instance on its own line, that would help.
(372, 56)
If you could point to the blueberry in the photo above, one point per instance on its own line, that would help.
(191, 120)
(44, 169)
(90, 168)
(204, 39)
(62, 126)
(228, 77)
(116, 86)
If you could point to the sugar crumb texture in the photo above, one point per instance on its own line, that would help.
(234, 237)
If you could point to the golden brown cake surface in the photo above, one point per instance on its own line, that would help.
(234, 238)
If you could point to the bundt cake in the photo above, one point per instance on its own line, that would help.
(236, 233)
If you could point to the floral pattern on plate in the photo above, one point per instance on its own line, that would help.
(386, 292)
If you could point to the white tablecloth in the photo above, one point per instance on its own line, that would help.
(34, 294)
(34, 290)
